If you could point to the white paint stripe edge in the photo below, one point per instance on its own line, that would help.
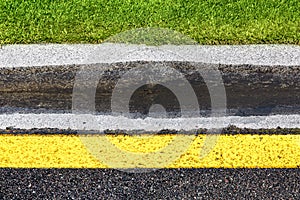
(68, 54)
(103, 122)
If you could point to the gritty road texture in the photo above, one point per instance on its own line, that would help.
(231, 130)
(64, 54)
(259, 80)
(101, 123)
(42, 76)
(160, 184)
(50, 88)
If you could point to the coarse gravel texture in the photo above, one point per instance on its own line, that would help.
(160, 184)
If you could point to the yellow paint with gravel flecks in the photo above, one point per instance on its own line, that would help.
(231, 151)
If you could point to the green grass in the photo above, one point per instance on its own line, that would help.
(93, 21)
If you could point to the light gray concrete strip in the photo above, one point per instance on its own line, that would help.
(104, 122)
(67, 54)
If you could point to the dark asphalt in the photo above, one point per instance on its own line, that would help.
(160, 184)
(50, 88)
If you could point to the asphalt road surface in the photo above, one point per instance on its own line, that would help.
(42, 156)
(160, 184)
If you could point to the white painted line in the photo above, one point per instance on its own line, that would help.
(67, 54)
(103, 122)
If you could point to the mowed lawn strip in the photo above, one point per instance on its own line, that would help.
(93, 21)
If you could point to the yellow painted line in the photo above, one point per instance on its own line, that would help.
(230, 151)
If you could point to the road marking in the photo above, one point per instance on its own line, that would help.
(104, 122)
(231, 151)
(64, 54)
